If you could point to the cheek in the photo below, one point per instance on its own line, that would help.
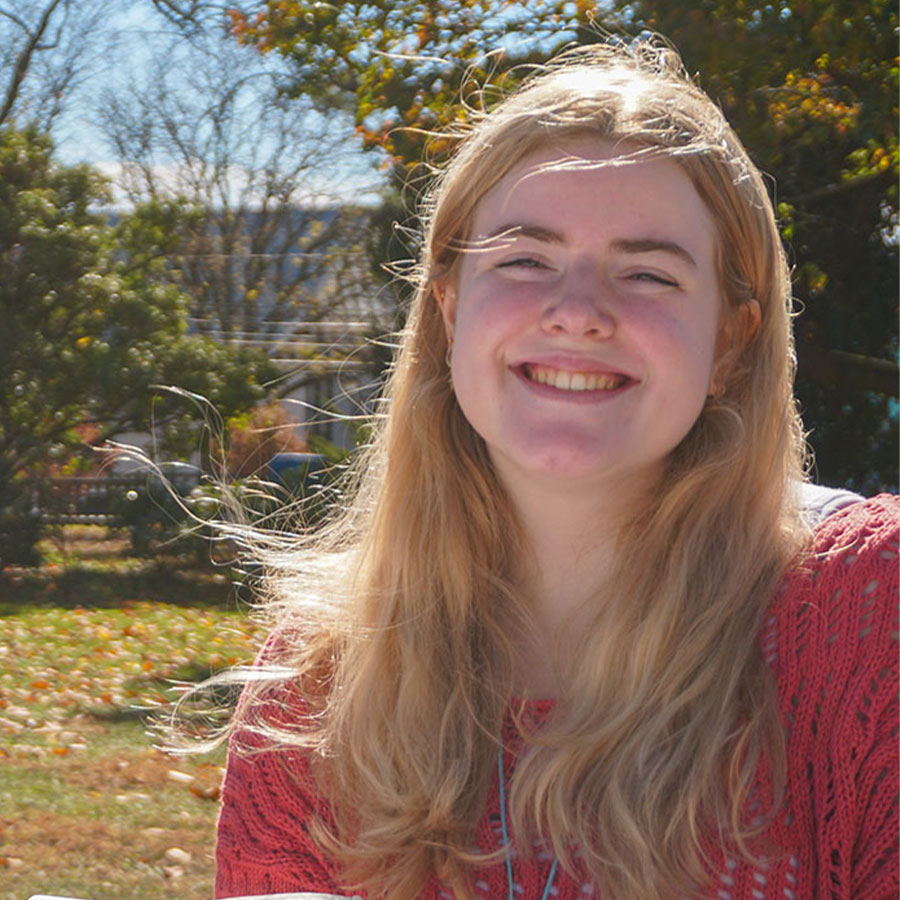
(482, 320)
(683, 348)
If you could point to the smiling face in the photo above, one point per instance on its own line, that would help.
(584, 321)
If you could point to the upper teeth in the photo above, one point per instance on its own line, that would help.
(574, 381)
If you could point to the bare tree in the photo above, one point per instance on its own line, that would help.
(274, 241)
(46, 50)
(207, 126)
(190, 17)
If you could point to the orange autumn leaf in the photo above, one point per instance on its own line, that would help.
(212, 792)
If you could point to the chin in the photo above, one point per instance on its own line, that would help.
(577, 465)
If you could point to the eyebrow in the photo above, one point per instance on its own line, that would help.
(622, 245)
(517, 229)
(653, 245)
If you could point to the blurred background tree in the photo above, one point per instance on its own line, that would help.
(47, 49)
(810, 85)
(270, 240)
(91, 325)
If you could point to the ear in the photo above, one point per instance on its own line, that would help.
(445, 294)
(736, 331)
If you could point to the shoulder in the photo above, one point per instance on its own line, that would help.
(835, 612)
(864, 523)
(818, 502)
(857, 542)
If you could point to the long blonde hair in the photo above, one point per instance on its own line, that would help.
(390, 616)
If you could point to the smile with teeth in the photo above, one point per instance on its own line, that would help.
(565, 380)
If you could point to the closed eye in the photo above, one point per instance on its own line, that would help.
(527, 262)
(653, 277)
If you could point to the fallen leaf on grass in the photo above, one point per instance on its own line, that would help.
(27, 751)
(212, 792)
(180, 777)
(132, 798)
(177, 856)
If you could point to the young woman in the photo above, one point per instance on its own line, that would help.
(574, 635)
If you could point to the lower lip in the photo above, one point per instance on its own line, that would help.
(547, 390)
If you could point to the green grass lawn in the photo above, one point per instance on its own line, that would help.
(91, 645)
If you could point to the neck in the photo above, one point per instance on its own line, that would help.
(570, 535)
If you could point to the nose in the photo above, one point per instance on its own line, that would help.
(581, 308)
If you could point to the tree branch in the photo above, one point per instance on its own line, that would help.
(23, 61)
(6, 14)
(187, 16)
(864, 373)
(842, 187)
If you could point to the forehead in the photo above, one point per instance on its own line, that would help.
(596, 183)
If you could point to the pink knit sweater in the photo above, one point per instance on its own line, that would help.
(830, 637)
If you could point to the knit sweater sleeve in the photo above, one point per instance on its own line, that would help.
(263, 841)
(841, 705)
(269, 798)
(870, 748)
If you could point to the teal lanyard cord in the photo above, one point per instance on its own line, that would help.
(509, 872)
